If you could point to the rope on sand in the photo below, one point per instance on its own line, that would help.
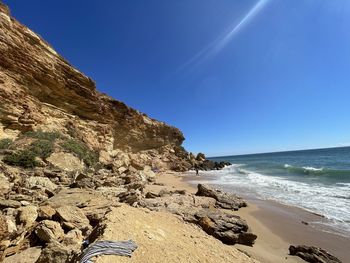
(119, 248)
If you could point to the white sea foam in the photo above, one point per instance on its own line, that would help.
(305, 168)
(309, 168)
(332, 201)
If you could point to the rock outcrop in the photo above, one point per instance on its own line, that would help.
(200, 162)
(40, 90)
(200, 210)
(313, 254)
(223, 199)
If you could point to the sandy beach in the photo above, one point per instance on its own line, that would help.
(277, 226)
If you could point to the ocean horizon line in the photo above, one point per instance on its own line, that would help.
(277, 152)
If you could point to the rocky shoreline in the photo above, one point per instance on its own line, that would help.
(55, 211)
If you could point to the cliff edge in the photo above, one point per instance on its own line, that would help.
(40, 90)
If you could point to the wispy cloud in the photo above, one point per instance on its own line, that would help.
(218, 44)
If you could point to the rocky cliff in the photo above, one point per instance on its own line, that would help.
(40, 90)
(69, 155)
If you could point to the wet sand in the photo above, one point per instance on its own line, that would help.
(277, 226)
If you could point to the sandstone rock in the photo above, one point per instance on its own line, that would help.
(11, 224)
(9, 203)
(313, 254)
(24, 203)
(57, 253)
(147, 174)
(72, 217)
(105, 158)
(5, 185)
(66, 162)
(153, 191)
(131, 197)
(73, 238)
(228, 228)
(122, 169)
(3, 228)
(40, 182)
(29, 255)
(46, 212)
(47, 93)
(27, 215)
(94, 204)
(49, 231)
(87, 183)
(179, 204)
(111, 191)
(223, 199)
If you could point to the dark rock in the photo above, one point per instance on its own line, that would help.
(223, 199)
(131, 197)
(313, 254)
(9, 203)
(207, 165)
(200, 157)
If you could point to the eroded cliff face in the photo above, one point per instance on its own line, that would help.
(40, 90)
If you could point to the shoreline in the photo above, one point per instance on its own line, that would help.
(277, 226)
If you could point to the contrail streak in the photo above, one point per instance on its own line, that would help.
(218, 44)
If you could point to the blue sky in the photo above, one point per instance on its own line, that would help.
(280, 81)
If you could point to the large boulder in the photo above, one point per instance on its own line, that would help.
(66, 162)
(73, 217)
(49, 231)
(313, 254)
(223, 199)
(92, 203)
(40, 182)
(200, 157)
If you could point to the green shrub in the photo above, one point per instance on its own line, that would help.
(24, 158)
(5, 143)
(41, 135)
(42, 148)
(81, 151)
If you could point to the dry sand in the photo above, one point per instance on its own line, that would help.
(165, 238)
(286, 222)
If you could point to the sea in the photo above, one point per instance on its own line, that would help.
(314, 180)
